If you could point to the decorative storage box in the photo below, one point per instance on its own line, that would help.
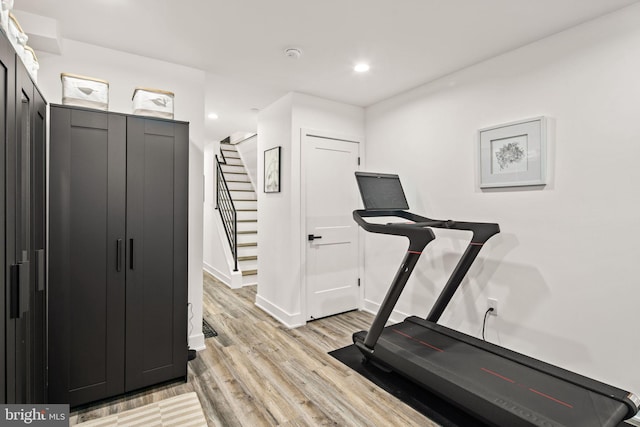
(31, 62)
(17, 36)
(85, 91)
(7, 5)
(153, 102)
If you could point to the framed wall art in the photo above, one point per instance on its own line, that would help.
(272, 170)
(513, 154)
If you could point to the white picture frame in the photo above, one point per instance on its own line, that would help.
(272, 170)
(513, 154)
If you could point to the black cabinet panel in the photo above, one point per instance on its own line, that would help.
(88, 246)
(155, 165)
(38, 313)
(120, 298)
(7, 59)
(87, 205)
(23, 230)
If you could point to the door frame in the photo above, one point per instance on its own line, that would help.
(304, 133)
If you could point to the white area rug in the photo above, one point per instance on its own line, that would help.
(178, 411)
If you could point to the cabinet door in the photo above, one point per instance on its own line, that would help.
(157, 193)
(86, 261)
(8, 293)
(20, 255)
(23, 250)
(37, 291)
(29, 233)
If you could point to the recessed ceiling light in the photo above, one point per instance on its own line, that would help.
(213, 116)
(361, 68)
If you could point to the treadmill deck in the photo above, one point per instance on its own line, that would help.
(469, 373)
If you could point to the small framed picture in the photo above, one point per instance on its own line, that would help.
(272, 170)
(513, 154)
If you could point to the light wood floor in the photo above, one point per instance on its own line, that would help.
(258, 373)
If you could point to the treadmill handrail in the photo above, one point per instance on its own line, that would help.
(420, 234)
(482, 231)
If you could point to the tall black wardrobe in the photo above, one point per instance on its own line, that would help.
(118, 253)
(23, 229)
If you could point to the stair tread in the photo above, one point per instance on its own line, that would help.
(246, 245)
(247, 220)
(243, 191)
(248, 232)
(250, 272)
(248, 258)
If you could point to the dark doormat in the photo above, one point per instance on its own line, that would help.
(207, 330)
(428, 404)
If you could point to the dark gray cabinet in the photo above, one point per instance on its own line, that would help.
(22, 215)
(118, 253)
(157, 200)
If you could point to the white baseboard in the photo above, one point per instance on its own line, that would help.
(224, 278)
(233, 282)
(373, 307)
(196, 341)
(289, 320)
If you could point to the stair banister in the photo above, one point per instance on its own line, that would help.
(227, 210)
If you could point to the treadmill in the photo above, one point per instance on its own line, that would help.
(497, 386)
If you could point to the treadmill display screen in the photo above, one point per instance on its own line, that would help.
(381, 191)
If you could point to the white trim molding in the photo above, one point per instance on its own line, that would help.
(373, 308)
(291, 321)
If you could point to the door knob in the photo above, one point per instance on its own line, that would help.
(311, 237)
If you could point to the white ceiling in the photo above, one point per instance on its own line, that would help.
(241, 42)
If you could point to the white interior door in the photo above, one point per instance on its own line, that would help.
(331, 195)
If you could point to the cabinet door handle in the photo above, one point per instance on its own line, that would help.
(40, 270)
(131, 254)
(119, 255)
(14, 292)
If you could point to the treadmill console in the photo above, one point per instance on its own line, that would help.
(381, 191)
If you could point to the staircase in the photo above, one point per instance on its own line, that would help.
(244, 200)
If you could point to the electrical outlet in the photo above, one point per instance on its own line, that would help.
(493, 303)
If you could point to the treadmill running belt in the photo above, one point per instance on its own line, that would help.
(475, 379)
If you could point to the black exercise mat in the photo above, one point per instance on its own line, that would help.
(207, 330)
(428, 404)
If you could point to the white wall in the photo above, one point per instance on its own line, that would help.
(564, 267)
(280, 237)
(125, 72)
(275, 217)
